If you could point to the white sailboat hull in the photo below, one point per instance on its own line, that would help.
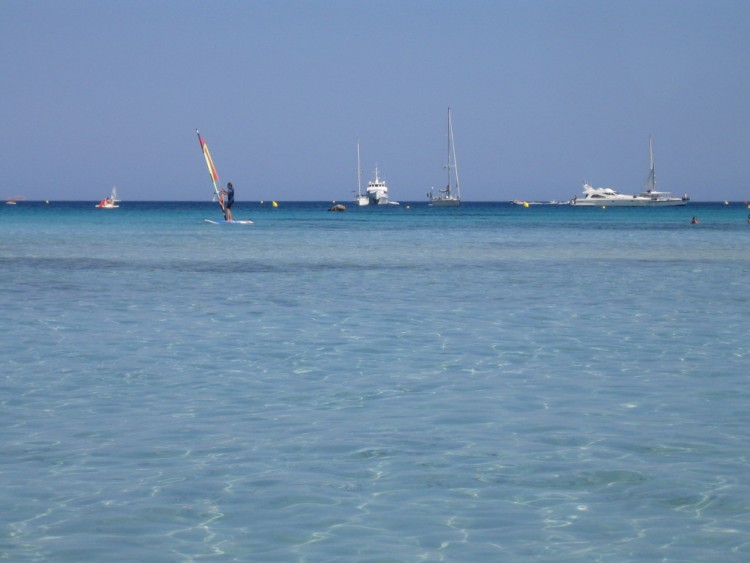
(109, 202)
(451, 201)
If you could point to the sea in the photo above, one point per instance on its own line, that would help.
(385, 384)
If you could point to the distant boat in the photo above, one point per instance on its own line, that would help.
(660, 198)
(608, 197)
(109, 202)
(377, 191)
(649, 197)
(528, 203)
(13, 200)
(444, 197)
(361, 198)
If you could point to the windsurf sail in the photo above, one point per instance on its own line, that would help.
(212, 171)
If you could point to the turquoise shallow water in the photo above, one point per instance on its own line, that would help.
(489, 383)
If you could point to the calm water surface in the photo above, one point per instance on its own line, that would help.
(488, 383)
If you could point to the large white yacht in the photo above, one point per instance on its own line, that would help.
(377, 191)
(649, 197)
(609, 197)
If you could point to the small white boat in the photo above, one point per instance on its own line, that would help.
(445, 197)
(529, 203)
(377, 191)
(109, 202)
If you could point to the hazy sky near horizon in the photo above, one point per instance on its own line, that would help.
(544, 94)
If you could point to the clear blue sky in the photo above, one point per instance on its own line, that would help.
(545, 94)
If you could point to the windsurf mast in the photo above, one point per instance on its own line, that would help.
(212, 172)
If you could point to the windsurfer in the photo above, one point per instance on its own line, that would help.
(229, 192)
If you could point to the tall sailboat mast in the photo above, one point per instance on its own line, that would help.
(212, 172)
(359, 173)
(452, 153)
(448, 197)
(651, 182)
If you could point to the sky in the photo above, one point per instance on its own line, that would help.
(544, 95)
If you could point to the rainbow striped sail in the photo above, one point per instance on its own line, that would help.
(212, 171)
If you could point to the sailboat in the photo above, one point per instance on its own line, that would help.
(649, 186)
(360, 199)
(109, 202)
(217, 192)
(446, 197)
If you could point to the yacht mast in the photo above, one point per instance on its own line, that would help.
(359, 174)
(452, 152)
(651, 169)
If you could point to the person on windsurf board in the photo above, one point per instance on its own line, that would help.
(229, 202)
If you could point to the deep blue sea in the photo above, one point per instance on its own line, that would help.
(388, 384)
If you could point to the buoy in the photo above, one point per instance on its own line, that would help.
(274, 204)
(525, 203)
